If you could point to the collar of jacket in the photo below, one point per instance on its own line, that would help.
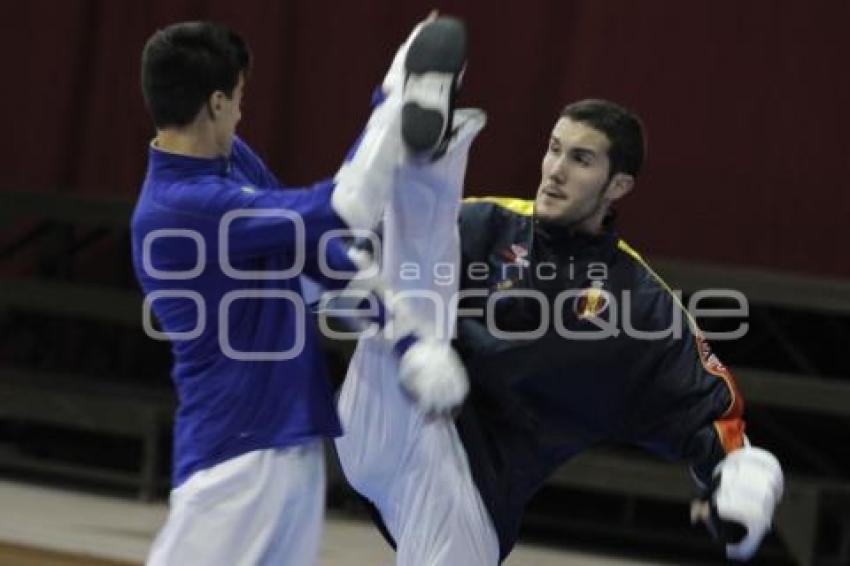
(163, 164)
(555, 240)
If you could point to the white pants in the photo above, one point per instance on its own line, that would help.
(415, 470)
(263, 507)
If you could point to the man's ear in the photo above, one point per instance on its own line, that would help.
(214, 104)
(619, 186)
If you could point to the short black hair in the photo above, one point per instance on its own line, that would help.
(622, 127)
(184, 63)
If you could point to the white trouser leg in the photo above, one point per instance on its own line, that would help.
(263, 507)
(364, 182)
(416, 471)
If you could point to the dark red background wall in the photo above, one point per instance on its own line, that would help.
(745, 103)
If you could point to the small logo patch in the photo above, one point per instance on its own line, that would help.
(591, 303)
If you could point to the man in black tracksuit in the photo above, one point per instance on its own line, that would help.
(536, 403)
(570, 339)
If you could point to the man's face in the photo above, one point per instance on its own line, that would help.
(574, 174)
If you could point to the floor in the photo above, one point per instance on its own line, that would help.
(49, 526)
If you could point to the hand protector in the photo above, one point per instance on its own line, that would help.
(433, 375)
(745, 489)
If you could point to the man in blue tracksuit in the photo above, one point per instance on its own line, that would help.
(219, 247)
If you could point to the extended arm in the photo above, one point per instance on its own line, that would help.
(691, 409)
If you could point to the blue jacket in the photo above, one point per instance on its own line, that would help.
(233, 398)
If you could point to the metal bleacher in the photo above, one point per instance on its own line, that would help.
(139, 410)
(792, 398)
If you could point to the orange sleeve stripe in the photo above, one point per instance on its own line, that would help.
(731, 433)
(730, 426)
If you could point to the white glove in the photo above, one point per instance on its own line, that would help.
(747, 486)
(433, 375)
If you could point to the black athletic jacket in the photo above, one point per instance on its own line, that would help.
(534, 403)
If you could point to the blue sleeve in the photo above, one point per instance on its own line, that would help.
(286, 218)
(252, 221)
(329, 264)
